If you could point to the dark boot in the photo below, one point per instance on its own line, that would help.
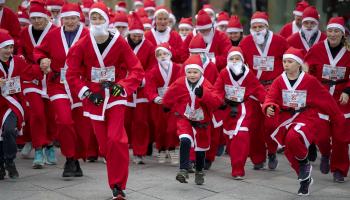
(70, 168)
(2, 171)
(78, 172)
(11, 169)
(118, 194)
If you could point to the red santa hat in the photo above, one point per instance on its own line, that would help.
(5, 38)
(135, 24)
(70, 9)
(197, 44)
(260, 17)
(208, 8)
(141, 12)
(194, 62)
(311, 14)
(162, 9)
(86, 5)
(22, 15)
(337, 22)
(149, 5)
(101, 9)
(54, 4)
(203, 21)
(138, 3)
(222, 18)
(300, 7)
(147, 23)
(37, 10)
(235, 51)
(186, 23)
(120, 19)
(295, 54)
(120, 6)
(164, 46)
(234, 25)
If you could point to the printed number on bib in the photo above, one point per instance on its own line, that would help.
(11, 86)
(294, 98)
(333, 73)
(194, 115)
(99, 75)
(264, 63)
(234, 93)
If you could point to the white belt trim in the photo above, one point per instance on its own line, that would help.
(35, 90)
(76, 105)
(92, 116)
(347, 115)
(141, 100)
(253, 97)
(59, 96)
(232, 133)
(323, 116)
(216, 123)
(118, 102)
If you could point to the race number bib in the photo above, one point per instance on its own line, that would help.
(194, 115)
(161, 91)
(333, 73)
(294, 98)
(11, 86)
(99, 75)
(63, 75)
(263, 63)
(234, 93)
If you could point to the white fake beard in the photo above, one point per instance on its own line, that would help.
(208, 38)
(235, 67)
(309, 33)
(99, 30)
(259, 37)
(183, 36)
(165, 63)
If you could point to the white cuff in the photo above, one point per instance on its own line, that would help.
(157, 99)
(125, 94)
(81, 92)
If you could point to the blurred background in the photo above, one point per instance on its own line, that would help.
(280, 11)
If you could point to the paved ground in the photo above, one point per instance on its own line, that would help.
(153, 181)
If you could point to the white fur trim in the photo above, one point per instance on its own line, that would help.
(294, 57)
(185, 26)
(207, 26)
(118, 8)
(259, 20)
(209, 10)
(197, 50)
(24, 20)
(164, 49)
(35, 90)
(309, 19)
(194, 66)
(334, 25)
(162, 10)
(235, 53)
(101, 12)
(323, 116)
(234, 30)
(6, 43)
(189, 137)
(138, 3)
(82, 91)
(85, 10)
(38, 14)
(222, 23)
(149, 8)
(70, 13)
(147, 25)
(136, 31)
(124, 24)
(54, 7)
(297, 13)
(59, 96)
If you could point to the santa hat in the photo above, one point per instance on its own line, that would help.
(25, 4)
(149, 5)
(147, 23)
(141, 12)
(300, 7)
(194, 62)
(5, 38)
(70, 9)
(203, 21)
(38, 10)
(101, 9)
(337, 22)
(186, 23)
(234, 25)
(22, 15)
(235, 51)
(120, 6)
(164, 47)
(54, 4)
(120, 19)
(197, 44)
(138, 3)
(260, 17)
(222, 18)
(135, 24)
(86, 5)
(295, 54)
(208, 8)
(161, 9)
(310, 14)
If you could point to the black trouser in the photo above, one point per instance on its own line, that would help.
(185, 148)
(8, 147)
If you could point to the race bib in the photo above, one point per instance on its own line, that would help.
(263, 63)
(234, 93)
(11, 86)
(99, 75)
(161, 91)
(194, 115)
(63, 75)
(294, 98)
(333, 73)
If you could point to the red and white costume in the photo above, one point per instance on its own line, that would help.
(9, 21)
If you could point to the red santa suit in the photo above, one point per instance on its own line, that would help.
(9, 21)
(322, 65)
(84, 59)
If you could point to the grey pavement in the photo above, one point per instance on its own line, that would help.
(157, 181)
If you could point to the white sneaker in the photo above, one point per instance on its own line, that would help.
(173, 157)
(25, 153)
(161, 157)
(138, 160)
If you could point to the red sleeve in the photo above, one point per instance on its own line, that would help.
(172, 94)
(225, 45)
(15, 27)
(259, 91)
(311, 60)
(26, 70)
(219, 86)
(151, 85)
(210, 98)
(273, 97)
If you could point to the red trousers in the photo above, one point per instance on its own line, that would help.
(92, 148)
(216, 134)
(140, 129)
(239, 152)
(113, 142)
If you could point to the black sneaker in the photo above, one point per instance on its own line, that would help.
(338, 177)
(305, 186)
(259, 166)
(118, 194)
(199, 177)
(11, 169)
(2, 171)
(207, 164)
(312, 153)
(220, 151)
(324, 165)
(150, 149)
(78, 172)
(273, 162)
(280, 150)
(70, 168)
(92, 159)
(182, 175)
(304, 171)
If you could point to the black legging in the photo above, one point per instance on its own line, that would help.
(8, 147)
(185, 147)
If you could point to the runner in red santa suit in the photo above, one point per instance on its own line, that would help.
(309, 34)
(42, 121)
(55, 7)
(235, 30)
(185, 27)
(9, 20)
(120, 22)
(217, 42)
(138, 112)
(294, 100)
(162, 33)
(94, 63)
(294, 26)
(73, 127)
(329, 62)
(263, 51)
(222, 21)
(235, 84)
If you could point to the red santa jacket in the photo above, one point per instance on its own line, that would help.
(250, 86)
(318, 99)
(319, 56)
(84, 57)
(174, 40)
(9, 21)
(288, 29)
(297, 41)
(55, 47)
(275, 47)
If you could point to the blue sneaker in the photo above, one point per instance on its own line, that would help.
(38, 161)
(50, 156)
